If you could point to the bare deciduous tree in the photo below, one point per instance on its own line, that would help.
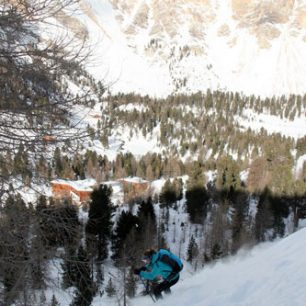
(34, 65)
(38, 57)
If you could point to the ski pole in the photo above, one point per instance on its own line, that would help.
(148, 291)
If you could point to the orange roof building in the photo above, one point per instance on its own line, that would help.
(78, 191)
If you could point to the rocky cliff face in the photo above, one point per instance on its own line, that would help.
(165, 19)
(229, 44)
(263, 18)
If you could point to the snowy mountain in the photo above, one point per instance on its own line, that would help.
(159, 47)
(271, 274)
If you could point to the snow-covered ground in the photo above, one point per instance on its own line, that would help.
(273, 124)
(272, 274)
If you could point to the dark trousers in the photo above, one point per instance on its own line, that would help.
(164, 287)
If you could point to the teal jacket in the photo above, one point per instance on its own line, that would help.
(157, 269)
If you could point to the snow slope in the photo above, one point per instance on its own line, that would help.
(113, 61)
(272, 274)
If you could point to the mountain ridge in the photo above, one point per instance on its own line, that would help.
(159, 48)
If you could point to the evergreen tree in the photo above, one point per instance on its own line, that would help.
(119, 167)
(41, 167)
(130, 285)
(4, 168)
(110, 289)
(168, 194)
(301, 146)
(282, 178)
(78, 167)
(228, 176)
(127, 223)
(84, 281)
(193, 250)
(58, 162)
(69, 267)
(264, 216)
(197, 197)
(239, 235)
(100, 274)
(54, 301)
(38, 254)
(104, 138)
(280, 211)
(197, 201)
(216, 251)
(146, 231)
(14, 237)
(42, 298)
(99, 219)
(178, 187)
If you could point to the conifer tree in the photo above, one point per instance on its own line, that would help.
(228, 177)
(110, 289)
(216, 251)
(14, 235)
(192, 250)
(130, 285)
(197, 200)
(54, 301)
(84, 282)
(41, 167)
(78, 167)
(126, 224)
(99, 219)
(147, 230)
(238, 220)
(104, 138)
(100, 274)
(58, 162)
(69, 267)
(280, 211)
(4, 169)
(168, 194)
(38, 254)
(264, 217)
(282, 178)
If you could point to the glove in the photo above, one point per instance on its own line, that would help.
(137, 271)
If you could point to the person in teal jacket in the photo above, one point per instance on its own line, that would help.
(163, 268)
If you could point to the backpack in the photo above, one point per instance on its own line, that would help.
(172, 261)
